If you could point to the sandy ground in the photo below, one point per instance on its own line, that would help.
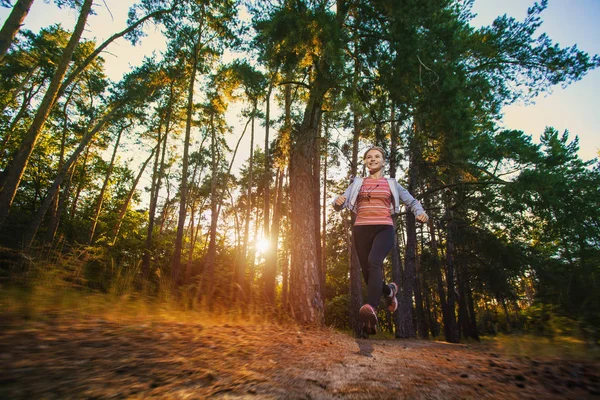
(86, 357)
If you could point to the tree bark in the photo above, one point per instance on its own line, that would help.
(176, 265)
(421, 320)
(437, 268)
(267, 165)
(209, 265)
(271, 262)
(107, 176)
(450, 328)
(396, 255)
(157, 174)
(55, 206)
(125, 205)
(324, 216)
(305, 281)
(244, 265)
(406, 329)
(356, 292)
(16, 169)
(13, 24)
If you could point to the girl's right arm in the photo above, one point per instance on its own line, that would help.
(339, 203)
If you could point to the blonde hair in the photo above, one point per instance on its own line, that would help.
(379, 149)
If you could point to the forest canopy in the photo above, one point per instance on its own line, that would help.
(128, 185)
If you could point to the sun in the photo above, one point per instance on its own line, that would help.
(262, 245)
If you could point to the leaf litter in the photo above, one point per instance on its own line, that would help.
(86, 357)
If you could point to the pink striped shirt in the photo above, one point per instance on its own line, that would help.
(374, 202)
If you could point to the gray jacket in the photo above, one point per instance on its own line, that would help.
(398, 193)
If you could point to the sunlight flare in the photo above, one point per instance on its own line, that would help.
(263, 245)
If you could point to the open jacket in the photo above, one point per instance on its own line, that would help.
(398, 193)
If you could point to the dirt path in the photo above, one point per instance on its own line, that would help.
(94, 358)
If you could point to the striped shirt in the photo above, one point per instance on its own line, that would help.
(374, 202)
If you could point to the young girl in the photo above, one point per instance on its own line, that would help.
(374, 200)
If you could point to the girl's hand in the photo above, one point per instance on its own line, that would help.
(340, 200)
(422, 218)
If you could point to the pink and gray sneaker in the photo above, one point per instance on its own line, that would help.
(368, 318)
(392, 301)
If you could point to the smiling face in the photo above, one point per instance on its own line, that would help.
(374, 160)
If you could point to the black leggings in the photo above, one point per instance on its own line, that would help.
(372, 244)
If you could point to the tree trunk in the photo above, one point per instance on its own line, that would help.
(80, 183)
(437, 269)
(317, 202)
(158, 171)
(305, 281)
(176, 265)
(27, 98)
(463, 314)
(267, 165)
(406, 329)
(125, 205)
(474, 332)
(244, 265)
(396, 258)
(421, 320)
(13, 24)
(271, 261)
(107, 176)
(356, 278)
(55, 207)
(208, 287)
(16, 169)
(324, 217)
(450, 327)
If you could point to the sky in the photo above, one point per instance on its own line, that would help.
(567, 22)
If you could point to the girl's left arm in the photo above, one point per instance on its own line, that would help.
(408, 199)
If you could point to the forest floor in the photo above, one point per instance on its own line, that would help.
(62, 356)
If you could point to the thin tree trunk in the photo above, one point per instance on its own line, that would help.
(317, 200)
(474, 332)
(356, 278)
(80, 183)
(267, 165)
(405, 304)
(450, 327)
(27, 97)
(437, 268)
(107, 176)
(396, 255)
(245, 264)
(271, 262)
(125, 205)
(16, 169)
(421, 320)
(157, 174)
(324, 218)
(13, 24)
(209, 269)
(54, 207)
(61, 206)
(176, 265)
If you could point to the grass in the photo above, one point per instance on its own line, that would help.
(533, 346)
(39, 304)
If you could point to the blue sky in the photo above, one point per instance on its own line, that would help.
(567, 22)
